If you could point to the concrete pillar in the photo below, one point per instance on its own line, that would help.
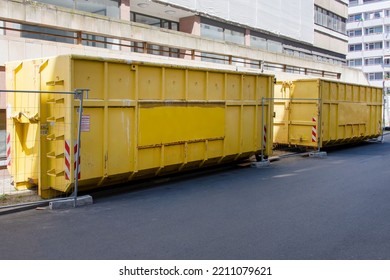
(2, 86)
(124, 14)
(124, 10)
(190, 25)
(247, 37)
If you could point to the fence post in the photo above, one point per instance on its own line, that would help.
(79, 94)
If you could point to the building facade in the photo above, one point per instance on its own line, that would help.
(313, 30)
(295, 37)
(368, 28)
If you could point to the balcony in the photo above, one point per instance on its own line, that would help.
(373, 38)
(373, 68)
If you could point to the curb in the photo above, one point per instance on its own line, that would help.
(59, 204)
(19, 208)
(70, 203)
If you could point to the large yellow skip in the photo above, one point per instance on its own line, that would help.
(139, 120)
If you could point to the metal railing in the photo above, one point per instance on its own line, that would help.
(126, 44)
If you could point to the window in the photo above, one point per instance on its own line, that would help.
(353, 3)
(154, 21)
(355, 33)
(212, 32)
(267, 44)
(46, 33)
(355, 47)
(258, 42)
(355, 17)
(223, 32)
(375, 76)
(234, 36)
(373, 61)
(387, 61)
(373, 46)
(108, 8)
(329, 20)
(373, 15)
(355, 62)
(373, 30)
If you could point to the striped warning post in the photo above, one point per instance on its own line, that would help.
(75, 162)
(314, 131)
(264, 137)
(8, 149)
(67, 160)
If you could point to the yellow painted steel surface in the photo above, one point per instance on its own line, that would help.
(139, 120)
(319, 113)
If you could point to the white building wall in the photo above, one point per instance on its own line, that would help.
(293, 18)
(384, 52)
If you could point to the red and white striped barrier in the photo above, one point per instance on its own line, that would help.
(67, 159)
(314, 131)
(8, 149)
(264, 137)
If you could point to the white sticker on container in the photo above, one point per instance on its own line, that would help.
(85, 123)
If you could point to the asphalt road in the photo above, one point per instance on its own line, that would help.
(298, 208)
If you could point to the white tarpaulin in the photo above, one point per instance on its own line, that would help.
(292, 18)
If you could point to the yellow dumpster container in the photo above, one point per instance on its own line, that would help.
(318, 113)
(139, 120)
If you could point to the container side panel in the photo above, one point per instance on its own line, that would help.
(364, 93)
(305, 89)
(196, 151)
(353, 113)
(233, 87)
(174, 155)
(249, 128)
(303, 119)
(264, 87)
(121, 140)
(172, 124)
(121, 82)
(91, 161)
(326, 89)
(215, 149)
(249, 88)
(56, 126)
(150, 83)
(175, 84)
(196, 85)
(22, 116)
(340, 94)
(215, 86)
(90, 75)
(326, 124)
(232, 140)
(149, 158)
(281, 109)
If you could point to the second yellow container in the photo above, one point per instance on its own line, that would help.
(318, 113)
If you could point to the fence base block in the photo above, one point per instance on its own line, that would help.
(318, 154)
(69, 203)
(260, 164)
